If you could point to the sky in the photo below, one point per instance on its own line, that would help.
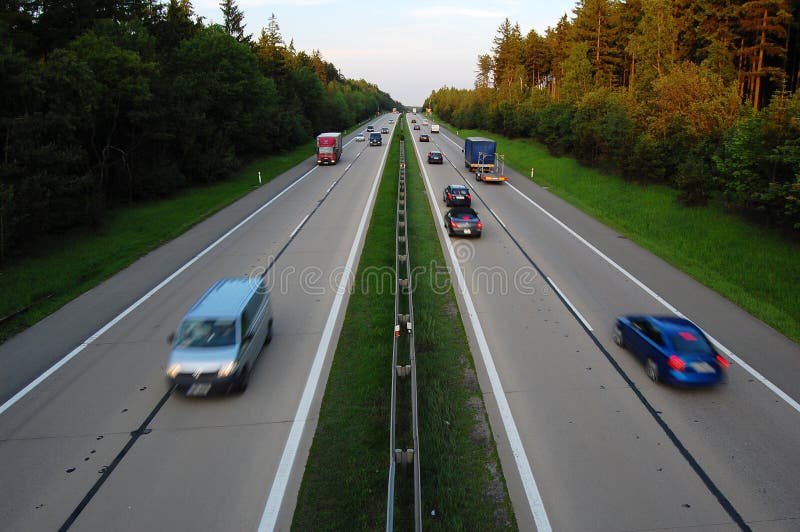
(407, 48)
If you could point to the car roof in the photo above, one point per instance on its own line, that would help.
(673, 323)
(225, 298)
(457, 185)
(468, 210)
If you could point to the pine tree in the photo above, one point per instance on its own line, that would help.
(764, 26)
(233, 20)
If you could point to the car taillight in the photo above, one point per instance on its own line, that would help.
(465, 217)
(723, 363)
(469, 196)
(449, 196)
(453, 224)
(676, 363)
(480, 225)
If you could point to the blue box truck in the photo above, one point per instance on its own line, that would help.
(479, 154)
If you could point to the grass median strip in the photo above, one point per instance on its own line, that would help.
(344, 487)
(751, 266)
(65, 266)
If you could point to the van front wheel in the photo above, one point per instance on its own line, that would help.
(268, 339)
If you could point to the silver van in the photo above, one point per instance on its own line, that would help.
(220, 337)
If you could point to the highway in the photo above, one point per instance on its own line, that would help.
(92, 437)
(586, 440)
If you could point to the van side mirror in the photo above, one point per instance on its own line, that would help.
(171, 338)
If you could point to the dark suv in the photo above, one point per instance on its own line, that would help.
(375, 139)
(457, 196)
(435, 157)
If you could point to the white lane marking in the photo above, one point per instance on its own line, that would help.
(296, 229)
(534, 498)
(454, 142)
(498, 218)
(269, 517)
(69, 356)
(574, 309)
(752, 371)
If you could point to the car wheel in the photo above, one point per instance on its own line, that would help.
(651, 368)
(617, 336)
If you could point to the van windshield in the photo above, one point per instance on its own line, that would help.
(326, 149)
(207, 333)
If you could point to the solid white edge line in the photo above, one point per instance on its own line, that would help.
(69, 356)
(569, 303)
(296, 229)
(269, 517)
(752, 371)
(534, 498)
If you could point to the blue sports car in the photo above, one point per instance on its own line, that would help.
(674, 350)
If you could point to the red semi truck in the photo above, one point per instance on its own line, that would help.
(329, 148)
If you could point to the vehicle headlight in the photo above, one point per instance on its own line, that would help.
(173, 370)
(227, 369)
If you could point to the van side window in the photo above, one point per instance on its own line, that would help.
(251, 310)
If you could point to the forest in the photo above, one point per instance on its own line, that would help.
(109, 102)
(699, 95)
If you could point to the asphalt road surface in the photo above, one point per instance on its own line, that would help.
(102, 444)
(587, 441)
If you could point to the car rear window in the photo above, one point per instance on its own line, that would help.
(690, 342)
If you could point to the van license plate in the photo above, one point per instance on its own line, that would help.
(467, 231)
(198, 389)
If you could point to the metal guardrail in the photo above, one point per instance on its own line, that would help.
(403, 344)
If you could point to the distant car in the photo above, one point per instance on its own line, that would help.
(424, 138)
(463, 221)
(391, 121)
(435, 157)
(424, 122)
(360, 137)
(370, 129)
(416, 127)
(375, 139)
(413, 120)
(385, 130)
(456, 196)
(674, 350)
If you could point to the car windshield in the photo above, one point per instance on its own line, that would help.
(458, 190)
(206, 333)
(460, 213)
(689, 342)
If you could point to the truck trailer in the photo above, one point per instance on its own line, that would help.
(329, 148)
(479, 154)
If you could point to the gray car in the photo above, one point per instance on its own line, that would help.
(220, 337)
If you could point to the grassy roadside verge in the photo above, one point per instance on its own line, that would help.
(749, 265)
(344, 487)
(69, 265)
